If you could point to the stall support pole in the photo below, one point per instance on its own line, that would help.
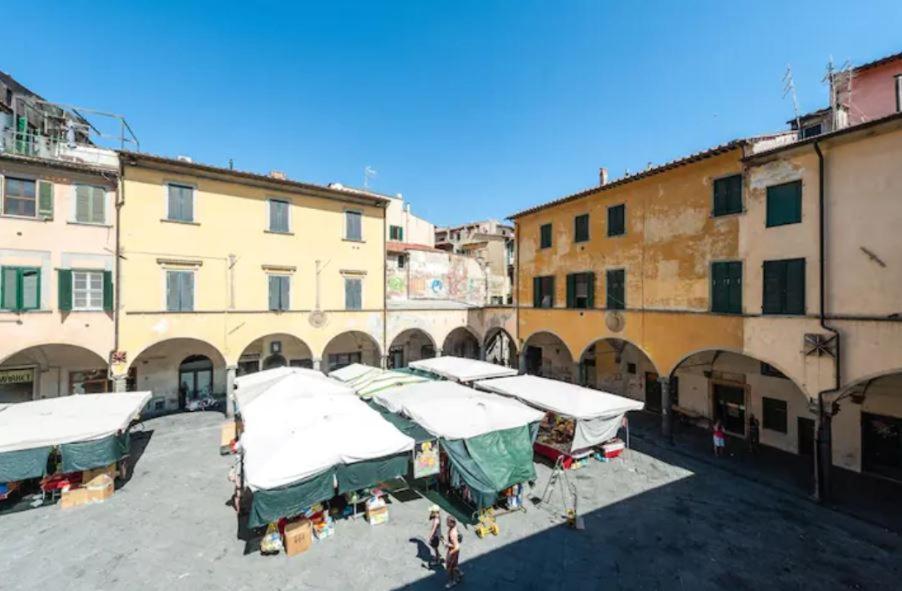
(317, 362)
(666, 410)
(230, 390)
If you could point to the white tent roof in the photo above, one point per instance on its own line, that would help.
(353, 371)
(284, 381)
(67, 419)
(560, 397)
(366, 380)
(450, 410)
(298, 425)
(461, 369)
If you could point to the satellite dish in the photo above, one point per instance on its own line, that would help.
(615, 321)
(317, 319)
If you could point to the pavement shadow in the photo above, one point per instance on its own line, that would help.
(138, 442)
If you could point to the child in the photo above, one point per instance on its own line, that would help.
(452, 561)
(435, 534)
(719, 438)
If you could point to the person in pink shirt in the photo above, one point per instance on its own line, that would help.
(720, 438)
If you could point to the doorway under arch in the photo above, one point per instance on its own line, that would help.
(500, 348)
(412, 344)
(546, 354)
(47, 371)
(349, 347)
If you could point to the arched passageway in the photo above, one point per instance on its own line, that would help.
(620, 367)
(177, 371)
(460, 342)
(500, 348)
(545, 354)
(350, 347)
(412, 344)
(274, 350)
(47, 371)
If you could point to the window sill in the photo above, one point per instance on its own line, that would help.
(25, 218)
(717, 216)
(21, 312)
(168, 221)
(77, 223)
(86, 310)
(780, 225)
(278, 233)
(361, 241)
(616, 235)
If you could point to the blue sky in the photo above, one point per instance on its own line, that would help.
(470, 109)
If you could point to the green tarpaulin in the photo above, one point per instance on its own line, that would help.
(492, 462)
(23, 464)
(84, 455)
(288, 501)
(406, 426)
(371, 472)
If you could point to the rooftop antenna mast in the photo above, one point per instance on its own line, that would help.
(835, 79)
(789, 88)
(368, 173)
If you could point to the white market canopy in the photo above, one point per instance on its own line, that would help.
(561, 397)
(298, 425)
(366, 380)
(452, 411)
(461, 369)
(67, 419)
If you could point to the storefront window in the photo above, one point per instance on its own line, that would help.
(16, 385)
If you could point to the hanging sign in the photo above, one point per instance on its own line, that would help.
(425, 459)
(16, 376)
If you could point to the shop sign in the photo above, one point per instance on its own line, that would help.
(425, 459)
(16, 376)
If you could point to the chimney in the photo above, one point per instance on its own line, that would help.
(602, 176)
(277, 174)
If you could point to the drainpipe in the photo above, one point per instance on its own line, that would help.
(383, 358)
(824, 454)
(117, 272)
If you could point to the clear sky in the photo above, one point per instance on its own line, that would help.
(470, 109)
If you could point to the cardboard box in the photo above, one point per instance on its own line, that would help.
(298, 536)
(226, 436)
(100, 488)
(89, 475)
(377, 516)
(74, 497)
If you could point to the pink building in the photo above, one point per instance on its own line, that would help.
(876, 90)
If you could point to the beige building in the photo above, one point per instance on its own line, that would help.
(492, 244)
(405, 227)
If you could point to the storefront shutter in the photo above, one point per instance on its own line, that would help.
(590, 277)
(774, 274)
(64, 289)
(45, 199)
(536, 292)
(571, 290)
(795, 286)
(108, 291)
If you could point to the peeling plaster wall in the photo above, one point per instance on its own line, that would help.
(437, 276)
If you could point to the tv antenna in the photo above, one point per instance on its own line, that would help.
(789, 88)
(368, 173)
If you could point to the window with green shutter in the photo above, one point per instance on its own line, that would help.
(396, 233)
(279, 292)
(543, 292)
(784, 287)
(774, 414)
(726, 287)
(180, 291)
(545, 236)
(90, 204)
(19, 197)
(617, 220)
(616, 289)
(45, 199)
(581, 228)
(20, 288)
(784, 204)
(353, 227)
(581, 290)
(278, 216)
(87, 290)
(728, 195)
(353, 293)
(180, 203)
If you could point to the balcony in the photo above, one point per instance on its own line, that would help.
(44, 147)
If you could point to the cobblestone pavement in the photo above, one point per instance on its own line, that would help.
(655, 520)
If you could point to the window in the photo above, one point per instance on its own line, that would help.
(581, 228)
(19, 197)
(581, 290)
(728, 195)
(631, 368)
(726, 287)
(90, 204)
(617, 220)
(180, 205)
(401, 261)
(279, 286)
(20, 288)
(352, 225)
(769, 370)
(279, 216)
(784, 287)
(179, 291)
(396, 233)
(774, 412)
(339, 360)
(353, 295)
(616, 292)
(545, 236)
(87, 290)
(812, 130)
(784, 204)
(543, 292)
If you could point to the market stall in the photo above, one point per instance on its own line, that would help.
(306, 439)
(577, 419)
(67, 441)
(366, 380)
(460, 369)
(486, 440)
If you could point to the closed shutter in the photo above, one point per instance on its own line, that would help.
(352, 294)
(172, 291)
(98, 201)
(31, 289)
(784, 204)
(353, 225)
(616, 220)
(795, 286)
(536, 292)
(82, 203)
(64, 289)
(734, 277)
(278, 216)
(273, 292)
(774, 280)
(616, 297)
(186, 292)
(571, 290)
(284, 300)
(174, 211)
(186, 198)
(108, 291)
(45, 199)
(590, 277)
(9, 285)
(720, 197)
(719, 295)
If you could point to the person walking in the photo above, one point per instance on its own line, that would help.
(435, 534)
(452, 560)
(719, 438)
(754, 434)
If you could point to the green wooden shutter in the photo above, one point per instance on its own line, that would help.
(718, 287)
(720, 197)
(772, 300)
(784, 204)
(536, 299)
(795, 286)
(9, 288)
(615, 289)
(571, 290)
(734, 276)
(590, 277)
(108, 291)
(284, 283)
(64, 289)
(45, 200)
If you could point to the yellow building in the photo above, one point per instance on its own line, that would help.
(224, 272)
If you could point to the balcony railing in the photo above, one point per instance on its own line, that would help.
(50, 148)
